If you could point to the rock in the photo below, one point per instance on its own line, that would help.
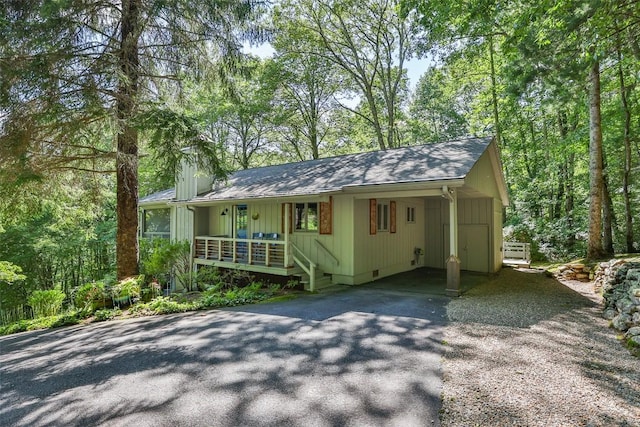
(609, 313)
(634, 274)
(582, 276)
(634, 341)
(624, 305)
(635, 318)
(621, 322)
(576, 266)
(633, 331)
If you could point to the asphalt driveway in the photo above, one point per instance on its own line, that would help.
(362, 356)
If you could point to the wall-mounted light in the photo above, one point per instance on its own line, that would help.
(224, 212)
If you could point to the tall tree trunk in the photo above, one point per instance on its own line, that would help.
(626, 176)
(594, 244)
(127, 151)
(607, 219)
(494, 94)
(569, 162)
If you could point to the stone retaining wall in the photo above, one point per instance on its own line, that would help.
(619, 282)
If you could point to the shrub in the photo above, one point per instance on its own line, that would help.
(209, 277)
(90, 296)
(12, 328)
(46, 303)
(234, 296)
(165, 305)
(107, 314)
(127, 290)
(164, 260)
(151, 290)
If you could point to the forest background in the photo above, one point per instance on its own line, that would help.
(97, 99)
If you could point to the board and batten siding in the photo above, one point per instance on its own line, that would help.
(477, 234)
(189, 184)
(386, 253)
(482, 178)
(339, 243)
(268, 219)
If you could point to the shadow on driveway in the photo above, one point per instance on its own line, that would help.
(361, 356)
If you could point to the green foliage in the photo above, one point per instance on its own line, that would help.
(70, 318)
(127, 290)
(162, 305)
(209, 277)
(234, 296)
(46, 303)
(91, 295)
(107, 314)
(10, 273)
(151, 290)
(15, 327)
(165, 261)
(67, 238)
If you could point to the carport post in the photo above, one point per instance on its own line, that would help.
(453, 262)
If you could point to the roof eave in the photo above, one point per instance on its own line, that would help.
(407, 189)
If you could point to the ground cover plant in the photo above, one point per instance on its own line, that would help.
(103, 301)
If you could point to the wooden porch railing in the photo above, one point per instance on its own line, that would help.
(243, 251)
(306, 264)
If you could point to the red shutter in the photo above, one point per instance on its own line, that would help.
(373, 209)
(326, 216)
(392, 216)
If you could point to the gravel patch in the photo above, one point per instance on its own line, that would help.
(523, 349)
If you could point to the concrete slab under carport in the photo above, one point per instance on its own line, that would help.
(428, 281)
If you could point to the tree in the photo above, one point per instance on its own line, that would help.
(308, 84)
(541, 56)
(440, 105)
(369, 42)
(244, 113)
(72, 70)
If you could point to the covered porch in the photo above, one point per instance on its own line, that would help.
(255, 236)
(263, 253)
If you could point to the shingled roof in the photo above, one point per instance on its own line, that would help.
(443, 161)
(159, 197)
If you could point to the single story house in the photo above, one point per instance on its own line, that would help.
(347, 219)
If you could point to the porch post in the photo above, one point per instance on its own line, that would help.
(287, 209)
(453, 262)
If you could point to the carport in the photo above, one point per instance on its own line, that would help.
(427, 281)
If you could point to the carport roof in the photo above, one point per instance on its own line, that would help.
(443, 161)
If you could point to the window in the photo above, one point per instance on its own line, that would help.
(383, 216)
(156, 223)
(306, 217)
(411, 215)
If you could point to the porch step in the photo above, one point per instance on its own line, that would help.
(322, 280)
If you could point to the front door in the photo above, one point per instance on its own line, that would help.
(241, 221)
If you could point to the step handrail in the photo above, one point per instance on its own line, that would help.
(311, 270)
(327, 251)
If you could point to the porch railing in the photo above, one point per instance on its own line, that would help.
(306, 264)
(270, 253)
